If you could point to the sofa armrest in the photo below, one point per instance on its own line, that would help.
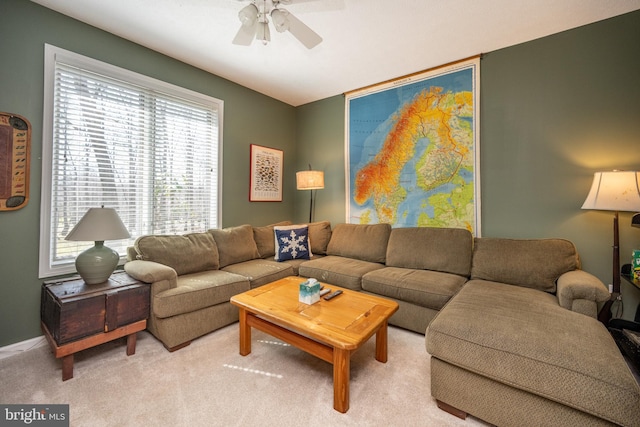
(160, 276)
(581, 292)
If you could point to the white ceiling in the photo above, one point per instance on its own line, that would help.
(364, 41)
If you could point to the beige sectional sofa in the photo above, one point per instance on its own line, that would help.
(510, 324)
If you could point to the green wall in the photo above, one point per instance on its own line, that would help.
(320, 135)
(24, 28)
(553, 111)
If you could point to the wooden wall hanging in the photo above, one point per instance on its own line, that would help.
(15, 149)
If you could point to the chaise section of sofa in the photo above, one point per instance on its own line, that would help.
(353, 251)
(509, 349)
(425, 267)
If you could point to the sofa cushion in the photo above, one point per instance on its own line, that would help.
(339, 271)
(261, 271)
(265, 242)
(235, 244)
(296, 263)
(428, 248)
(431, 289)
(186, 254)
(366, 242)
(291, 242)
(522, 337)
(319, 236)
(534, 263)
(198, 290)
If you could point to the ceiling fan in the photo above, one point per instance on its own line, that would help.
(255, 24)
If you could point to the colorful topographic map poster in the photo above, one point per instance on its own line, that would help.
(412, 150)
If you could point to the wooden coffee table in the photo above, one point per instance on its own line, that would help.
(330, 330)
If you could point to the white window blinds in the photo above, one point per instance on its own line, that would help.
(148, 149)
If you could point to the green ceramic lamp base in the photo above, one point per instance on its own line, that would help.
(96, 264)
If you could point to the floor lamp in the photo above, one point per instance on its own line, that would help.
(310, 180)
(617, 191)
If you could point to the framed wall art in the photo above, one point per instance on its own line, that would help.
(15, 149)
(266, 174)
(412, 149)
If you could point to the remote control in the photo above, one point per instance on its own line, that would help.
(332, 295)
(323, 292)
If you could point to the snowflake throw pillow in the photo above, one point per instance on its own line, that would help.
(292, 242)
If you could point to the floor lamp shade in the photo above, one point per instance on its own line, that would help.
(96, 264)
(310, 180)
(614, 191)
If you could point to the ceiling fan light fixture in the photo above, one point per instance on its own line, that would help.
(255, 24)
(280, 20)
(248, 15)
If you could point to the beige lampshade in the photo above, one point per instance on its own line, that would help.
(99, 224)
(614, 191)
(309, 180)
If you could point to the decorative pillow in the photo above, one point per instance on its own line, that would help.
(292, 242)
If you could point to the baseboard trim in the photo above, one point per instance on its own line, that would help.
(21, 347)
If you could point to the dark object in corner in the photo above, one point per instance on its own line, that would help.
(626, 333)
(627, 336)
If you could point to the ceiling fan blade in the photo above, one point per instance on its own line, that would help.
(245, 34)
(306, 35)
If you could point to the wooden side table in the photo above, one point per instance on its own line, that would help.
(76, 316)
(66, 351)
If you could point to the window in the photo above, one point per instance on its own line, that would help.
(118, 139)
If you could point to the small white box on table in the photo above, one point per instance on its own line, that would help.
(309, 291)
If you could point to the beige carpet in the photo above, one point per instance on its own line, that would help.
(209, 384)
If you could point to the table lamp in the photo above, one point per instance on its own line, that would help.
(310, 180)
(96, 264)
(617, 191)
